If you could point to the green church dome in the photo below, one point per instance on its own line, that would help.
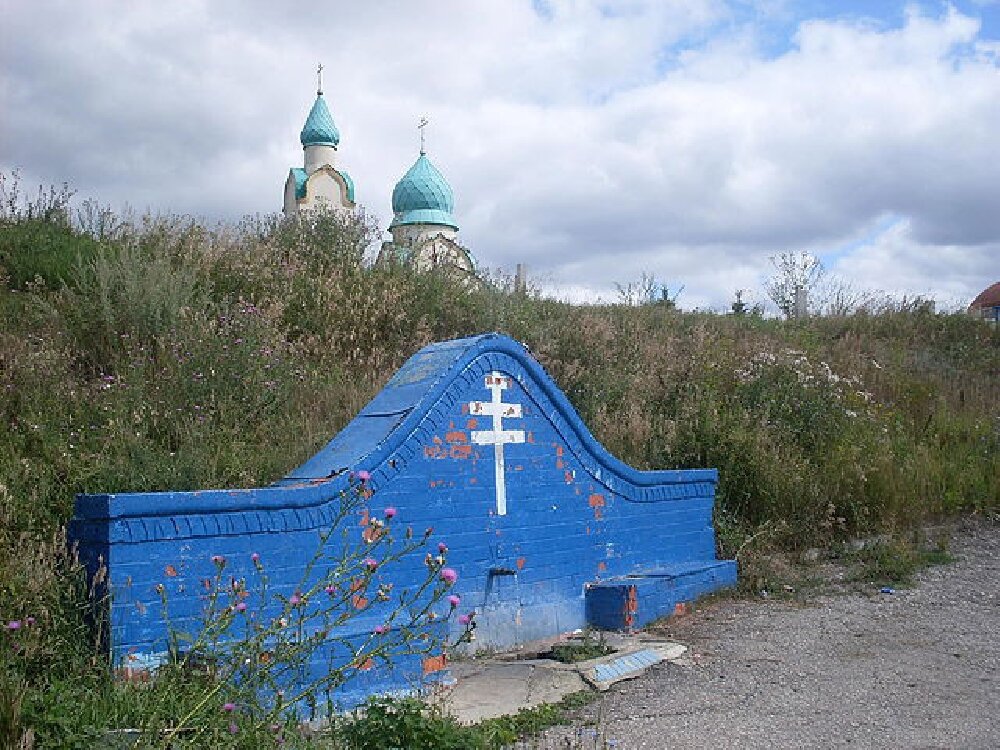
(423, 196)
(319, 129)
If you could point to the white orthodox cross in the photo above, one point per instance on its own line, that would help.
(420, 126)
(319, 79)
(498, 436)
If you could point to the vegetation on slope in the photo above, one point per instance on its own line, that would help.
(162, 353)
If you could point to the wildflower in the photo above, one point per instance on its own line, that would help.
(255, 557)
(14, 625)
(331, 590)
(380, 629)
(371, 563)
(218, 559)
(442, 547)
(454, 600)
(464, 619)
(233, 729)
(241, 606)
(449, 576)
(295, 600)
(228, 707)
(29, 621)
(363, 476)
(390, 512)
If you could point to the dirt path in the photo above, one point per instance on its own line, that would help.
(919, 668)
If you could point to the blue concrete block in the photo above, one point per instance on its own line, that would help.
(558, 535)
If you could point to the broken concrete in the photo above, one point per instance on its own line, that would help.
(503, 684)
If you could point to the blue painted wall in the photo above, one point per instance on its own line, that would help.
(576, 519)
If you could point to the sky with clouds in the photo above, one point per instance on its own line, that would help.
(595, 141)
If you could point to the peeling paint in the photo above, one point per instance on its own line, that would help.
(433, 664)
(520, 563)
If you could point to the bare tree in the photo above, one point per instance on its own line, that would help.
(796, 274)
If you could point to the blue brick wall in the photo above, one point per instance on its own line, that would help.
(575, 516)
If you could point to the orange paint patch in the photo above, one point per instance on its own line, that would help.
(366, 664)
(631, 606)
(461, 451)
(359, 601)
(520, 563)
(171, 571)
(531, 437)
(596, 501)
(132, 674)
(465, 408)
(568, 476)
(373, 533)
(473, 480)
(559, 463)
(559, 450)
(602, 566)
(365, 518)
(357, 584)
(681, 608)
(433, 664)
(472, 424)
(456, 436)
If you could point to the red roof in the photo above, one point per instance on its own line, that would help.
(989, 297)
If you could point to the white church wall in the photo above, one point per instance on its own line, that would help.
(318, 156)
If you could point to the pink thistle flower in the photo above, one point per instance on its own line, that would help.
(371, 563)
(255, 557)
(390, 512)
(331, 590)
(29, 621)
(449, 576)
(241, 606)
(228, 707)
(218, 559)
(295, 600)
(380, 630)
(454, 600)
(363, 476)
(233, 729)
(464, 619)
(14, 625)
(442, 547)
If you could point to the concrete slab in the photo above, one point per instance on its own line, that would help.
(503, 684)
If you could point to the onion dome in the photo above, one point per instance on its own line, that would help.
(423, 196)
(319, 129)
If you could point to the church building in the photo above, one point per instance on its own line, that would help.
(423, 229)
(318, 182)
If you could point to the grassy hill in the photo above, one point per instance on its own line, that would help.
(165, 354)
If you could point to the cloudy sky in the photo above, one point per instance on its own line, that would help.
(595, 141)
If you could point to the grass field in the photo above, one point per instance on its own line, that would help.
(163, 354)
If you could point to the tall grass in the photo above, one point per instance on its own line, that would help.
(160, 353)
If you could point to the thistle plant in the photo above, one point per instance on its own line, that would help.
(271, 657)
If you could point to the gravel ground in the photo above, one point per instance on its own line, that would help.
(919, 668)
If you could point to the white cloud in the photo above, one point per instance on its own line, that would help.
(594, 141)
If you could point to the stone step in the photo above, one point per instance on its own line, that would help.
(633, 601)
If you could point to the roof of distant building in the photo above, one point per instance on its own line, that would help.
(423, 196)
(319, 129)
(989, 297)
